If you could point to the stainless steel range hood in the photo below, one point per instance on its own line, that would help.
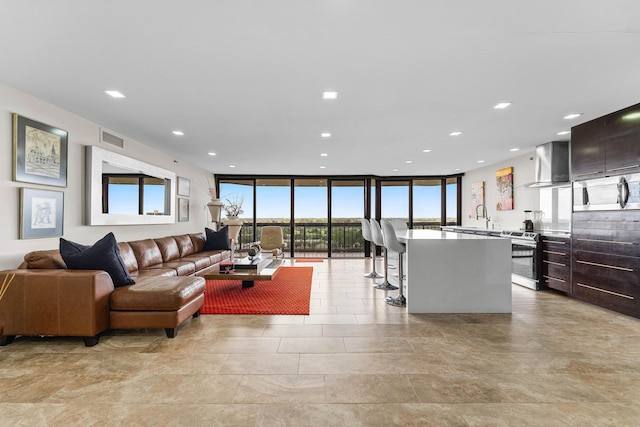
(552, 165)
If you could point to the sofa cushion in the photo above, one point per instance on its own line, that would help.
(201, 261)
(216, 256)
(158, 294)
(183, 268)
(185, 245)
(198, 240)
(217, 240)
(128, 257)
(154, 271)
(44, 259)
(168, 248)
(103, 255)
(147, 253)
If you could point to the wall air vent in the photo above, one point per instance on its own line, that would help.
(110, 138)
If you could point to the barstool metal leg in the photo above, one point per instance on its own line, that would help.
(385, 285)
(374, 274)
(399, 300)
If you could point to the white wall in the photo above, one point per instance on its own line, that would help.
(81, 132)
(523, 198)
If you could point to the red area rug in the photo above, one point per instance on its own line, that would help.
(287, 293)
(309, 260)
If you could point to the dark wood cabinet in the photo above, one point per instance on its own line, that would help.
(622, 142)
(606, 259)
(606, 146)
(587, 150)
(556, 262)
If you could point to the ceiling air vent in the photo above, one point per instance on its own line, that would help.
(111, 139)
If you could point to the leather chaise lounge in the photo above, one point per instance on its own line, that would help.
(46, 298)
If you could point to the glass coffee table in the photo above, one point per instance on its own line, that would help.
(249, 270)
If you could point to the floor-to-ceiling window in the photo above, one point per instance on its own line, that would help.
(427, 203)
(347, 209)
(239, 192)
(273, 206)
(321, 216)
(452, 215)
(311, 224)
(394, 201)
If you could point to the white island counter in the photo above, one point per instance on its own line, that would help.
(457, 273)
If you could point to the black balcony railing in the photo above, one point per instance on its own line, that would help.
(313, 237)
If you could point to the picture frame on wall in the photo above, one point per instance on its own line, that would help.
(504, 187)
(41, 213)
(477, 197)
(183, 210)
(39, 152)
(184, 186)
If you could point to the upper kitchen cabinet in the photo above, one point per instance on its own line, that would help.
(587, 150)
(622, 142)
(606, 146)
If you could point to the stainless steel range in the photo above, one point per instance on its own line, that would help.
(526, 258)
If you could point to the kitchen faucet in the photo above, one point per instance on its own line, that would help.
(484, 215)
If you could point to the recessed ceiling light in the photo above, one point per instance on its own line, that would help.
(232, 166)
(325, 135)
(114, 94)
(323, 167)
(456, 169)
(502, 105)
(323, 154)
(211, 153)
(455, 133)
(395, 170)
(408, 162)
(514, 149)
(426, 151)
(564, 132)
(480, 161)
(572, 116)
(178, 132)
(329, 95)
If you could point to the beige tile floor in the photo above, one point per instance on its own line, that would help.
(354, 361)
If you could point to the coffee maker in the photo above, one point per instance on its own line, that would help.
(528, 221)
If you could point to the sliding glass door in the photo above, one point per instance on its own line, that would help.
(311, 224)
(273, 206)
(347, 209)
(427, 203)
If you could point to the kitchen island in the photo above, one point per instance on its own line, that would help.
(457, 273)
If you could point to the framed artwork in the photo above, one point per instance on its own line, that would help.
(477, 197)
(184, 186)
(41, 213)
(183, 210)
(504, 185)
(39, 152)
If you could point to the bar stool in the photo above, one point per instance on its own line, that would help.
(376, 235)
(391, 243)
(366, 235)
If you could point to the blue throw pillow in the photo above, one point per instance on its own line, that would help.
(103, 255)
(217, 240)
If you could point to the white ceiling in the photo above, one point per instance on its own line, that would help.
(244, 78)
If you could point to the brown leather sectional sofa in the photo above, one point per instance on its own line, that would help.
(45, 298)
